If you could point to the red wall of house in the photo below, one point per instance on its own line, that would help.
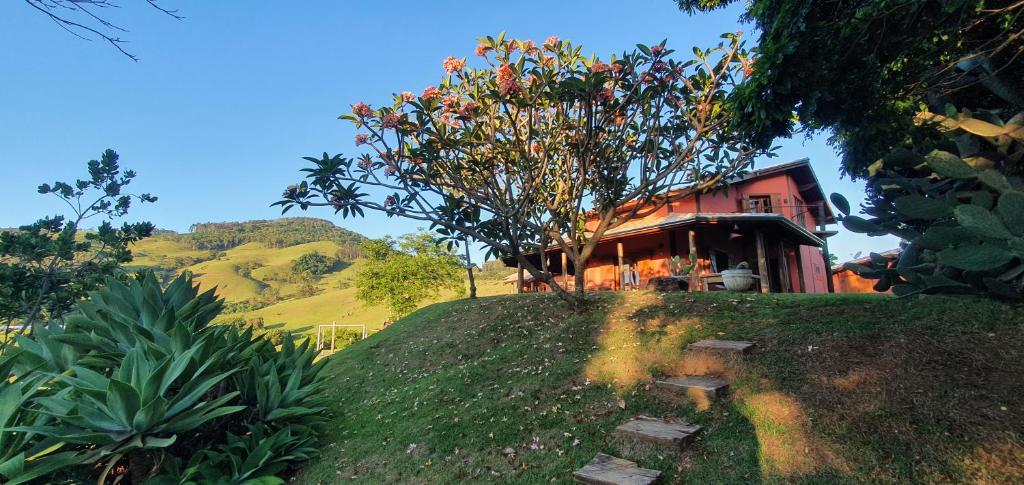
(601, 273)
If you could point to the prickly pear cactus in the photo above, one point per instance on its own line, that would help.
(678, 267)
(958, 205)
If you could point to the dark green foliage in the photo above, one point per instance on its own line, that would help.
(257, 326)
(278, 233)
(47, 266)
(862, 69)
(139, 380)
(959, 207)
(314, 264)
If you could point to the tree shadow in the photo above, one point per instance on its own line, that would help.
(824, 400)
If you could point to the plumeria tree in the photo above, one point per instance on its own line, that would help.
(540, 146)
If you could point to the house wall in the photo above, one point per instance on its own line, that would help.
(846, 281)
(648, 252)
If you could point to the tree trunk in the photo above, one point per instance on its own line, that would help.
(575, 299)
(469, 271)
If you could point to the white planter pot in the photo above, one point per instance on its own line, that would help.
(737, 279)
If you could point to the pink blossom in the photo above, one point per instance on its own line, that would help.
(450, 102)
(408, 96)
(362, 110)
(505, 73)
(530, 47)
(430, 92)
(390, 170)
(599, 67)
(657, 49)
(605, 95)
(365, 163)
(508, 81)
(551, 43)
(452, 64)
(482, 49)
(468, 109)
(512, 46)
(659, 66)
(362, 139)
(390, 201)
(390, 120)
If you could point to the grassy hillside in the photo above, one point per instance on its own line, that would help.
(841, 389)
(259, 263)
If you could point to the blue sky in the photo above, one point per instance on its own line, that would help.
(218, 112)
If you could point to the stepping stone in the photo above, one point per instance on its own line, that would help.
(708, 386)
(726, 346)
(657, 431)
(609, 470)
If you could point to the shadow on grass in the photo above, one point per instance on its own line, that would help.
(840, 389)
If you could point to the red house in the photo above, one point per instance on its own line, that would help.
(774, 219)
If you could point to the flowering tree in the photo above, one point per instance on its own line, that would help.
(540, 147)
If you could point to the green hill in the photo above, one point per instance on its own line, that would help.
(840, 389)
(250, 265)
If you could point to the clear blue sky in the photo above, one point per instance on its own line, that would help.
(221, 106)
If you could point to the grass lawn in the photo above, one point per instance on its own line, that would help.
(841, 389)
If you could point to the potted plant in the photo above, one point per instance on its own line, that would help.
(739, 278)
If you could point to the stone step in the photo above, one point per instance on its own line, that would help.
(609, 470)
(734, 347)
(709, 387)
(657, 431)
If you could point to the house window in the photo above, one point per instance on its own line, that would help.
(761, 204)
(801, 211)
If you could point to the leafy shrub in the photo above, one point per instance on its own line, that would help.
(959, 205)
(138, 381)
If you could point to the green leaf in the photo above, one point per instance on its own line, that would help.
(123, 401)
(949, 165)
(920, 207)
(975, 257)
(840, 202)
(859, 224)
(981, 222)
(994, 179)
(1011, 211)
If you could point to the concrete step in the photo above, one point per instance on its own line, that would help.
(657, 431)
(695, 387)
(732, 347)
(609, 470)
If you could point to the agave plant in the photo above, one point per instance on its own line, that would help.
(137, 376)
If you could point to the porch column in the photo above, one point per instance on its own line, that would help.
(800, 269)
(618, 249)
(695, 271)
(565, 272)
(519, 274)
(824, 249)
(762, 263)
(784, 268)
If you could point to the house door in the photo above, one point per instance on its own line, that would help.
(774, 278)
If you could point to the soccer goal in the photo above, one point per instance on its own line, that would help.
(329, 331)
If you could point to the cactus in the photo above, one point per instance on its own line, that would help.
(677, 267)
(959, 208)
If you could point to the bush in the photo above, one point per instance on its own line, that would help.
(139, 387)
(313, 264)
(957, 202)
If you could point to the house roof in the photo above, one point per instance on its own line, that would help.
(678, 219)
(890, 254)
